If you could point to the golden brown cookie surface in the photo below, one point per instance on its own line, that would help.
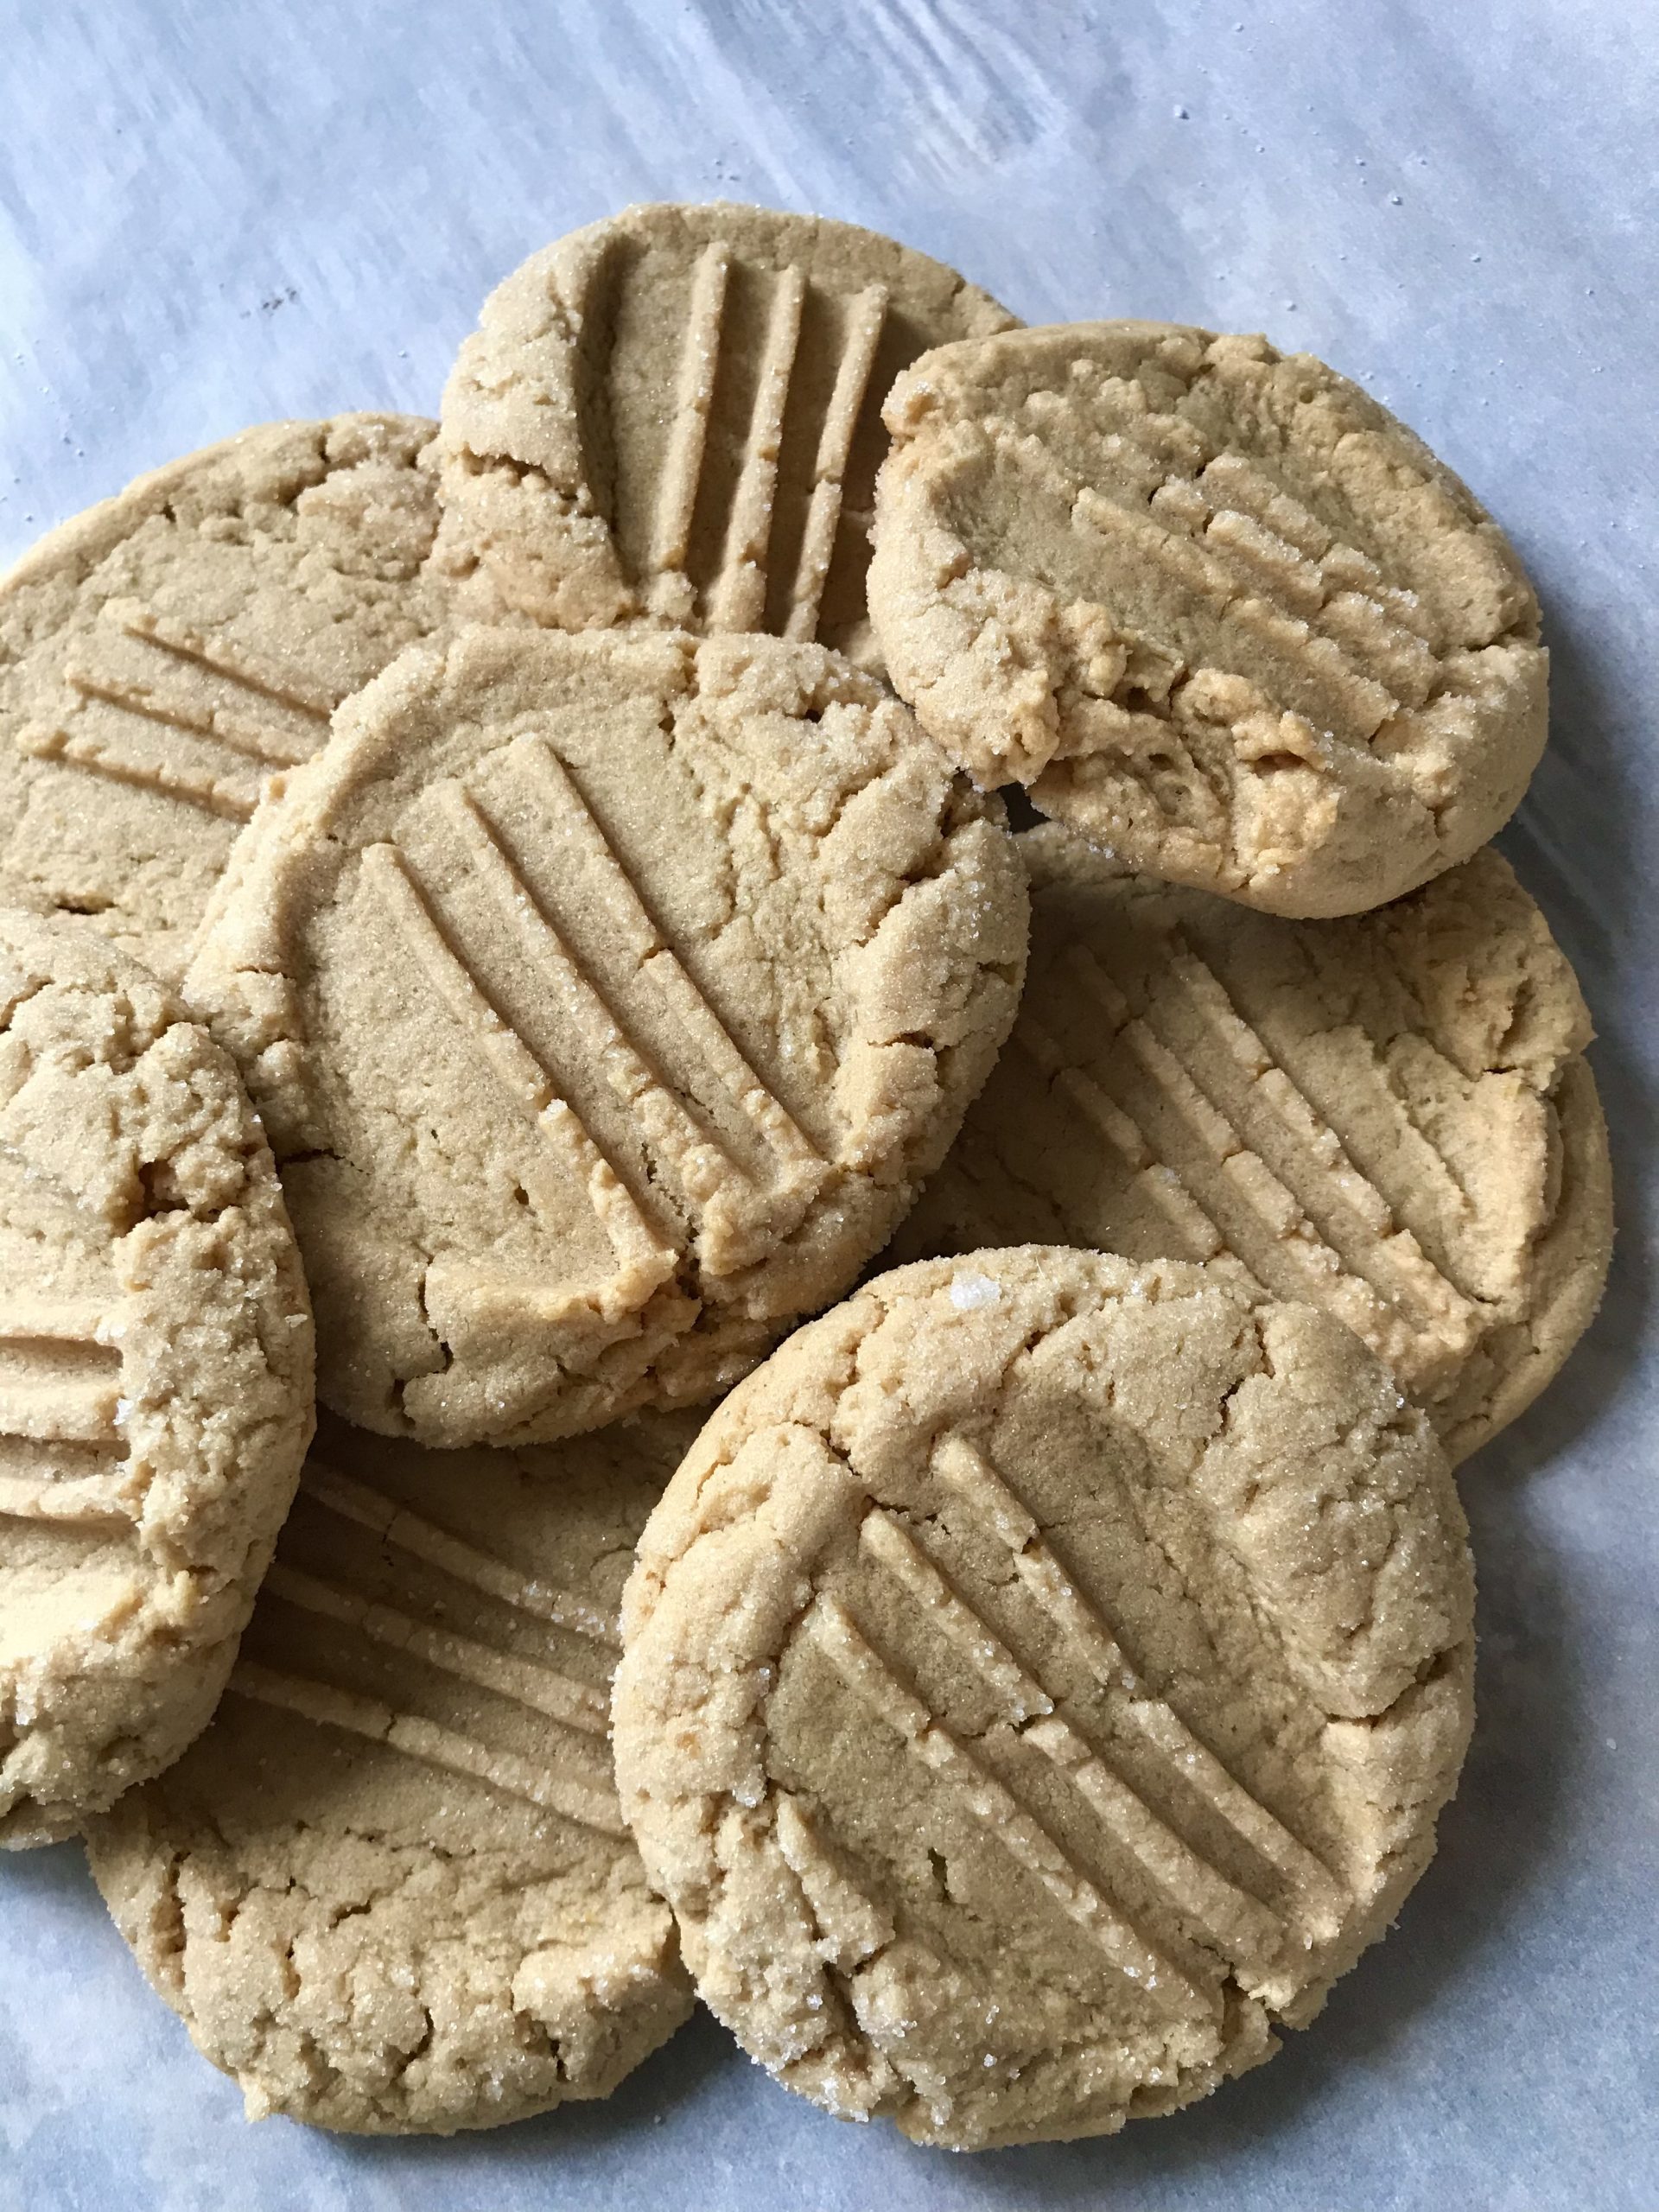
(1388, 1115)
(1040, 1679)
(156, 1373)
(161, 654)
(389, 1889)
(675, 413)
(1215, 607)
(607, 998)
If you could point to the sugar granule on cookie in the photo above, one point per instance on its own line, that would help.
(1040, 1681)
(1216, 608)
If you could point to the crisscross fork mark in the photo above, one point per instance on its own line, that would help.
(709, 1174)
(1336, 1243)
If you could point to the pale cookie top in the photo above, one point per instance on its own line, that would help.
(1040, 1679)
(1214, 604)
(677, 412)
(607, 998)
(163, 653)
(156, 1373)
(389, 1889)
(1388, 1115)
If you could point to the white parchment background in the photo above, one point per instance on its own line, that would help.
(217, 211)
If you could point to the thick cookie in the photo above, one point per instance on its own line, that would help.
(389, 1889)
(1040, 1679)
(607, 999)
(676, 413)
(162, 653)
(1389, 1117)
(155, 1357)
(1214, 604)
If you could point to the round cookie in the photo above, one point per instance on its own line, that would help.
(1212, 604)
(1040, 1679)
(607, 998)
(162, 653)
(390, 1889)
(1388, 1115)
(675, 413)
(155, 1373)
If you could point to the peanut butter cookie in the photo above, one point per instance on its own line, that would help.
(389, 1889)
(1215, 607)
(607, 999)
(1039, 1679)
(156, 1373)
(1388, 1115)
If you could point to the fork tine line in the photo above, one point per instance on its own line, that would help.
(325, 1707)
(67, 1498)
(371, 1509)
(183, 642)
(524, 1681)
(866, 320)
(738, 598)
(208, 792)
(571, 1151)
(60, 1380)
(853, 1925)
(676, 502)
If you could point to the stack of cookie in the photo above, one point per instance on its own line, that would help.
(536, 893)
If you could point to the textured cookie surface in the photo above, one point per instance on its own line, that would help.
(1388, 1115)
(390, 1889)
(607, 998)
(676, 413)
(1212, 604)
(1040, 1678)
(163, 653)
(155, 1362)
